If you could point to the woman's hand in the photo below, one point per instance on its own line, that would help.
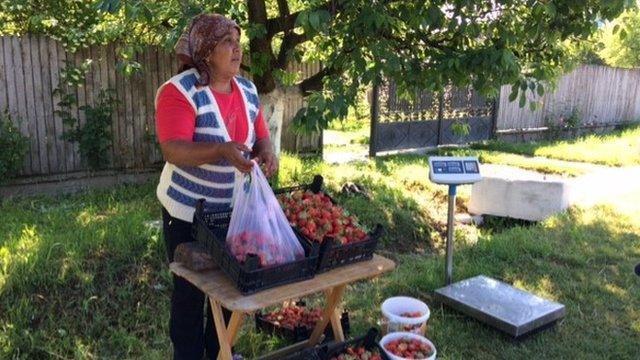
(232, 152)
(269, 162)
(264, 155)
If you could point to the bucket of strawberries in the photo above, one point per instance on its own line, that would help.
(403, 313)
(406, 345)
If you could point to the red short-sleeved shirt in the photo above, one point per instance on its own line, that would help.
(176, 118)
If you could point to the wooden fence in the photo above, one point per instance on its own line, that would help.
(291, 141)
(31, 68)
(601, 95)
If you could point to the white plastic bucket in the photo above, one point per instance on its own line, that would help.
(396, 335)
(394, 307)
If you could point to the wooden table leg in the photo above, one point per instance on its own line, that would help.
(221, 330)
(234, 325)
(333, 299)
(336, 324)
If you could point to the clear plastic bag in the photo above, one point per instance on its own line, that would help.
(258, 224)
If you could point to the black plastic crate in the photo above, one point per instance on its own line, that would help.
(332, 253)
(299, 333)
(210, 230)
(369, 341)
(305, 354)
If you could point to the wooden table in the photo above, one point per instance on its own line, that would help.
(222, 292)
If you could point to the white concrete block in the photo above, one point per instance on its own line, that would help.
(517, 193)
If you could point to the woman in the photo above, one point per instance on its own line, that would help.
(208, 122)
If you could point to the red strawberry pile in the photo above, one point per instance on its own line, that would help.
(318, 218)
(357, 353)
(261, 245)
(409, 348)
(294, 316)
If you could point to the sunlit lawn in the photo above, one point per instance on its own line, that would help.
(82, 277)
(541, 165)
(619, 148)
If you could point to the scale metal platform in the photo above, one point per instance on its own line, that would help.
(514, 311)
(502, 306)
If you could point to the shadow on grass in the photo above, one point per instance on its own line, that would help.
(407, 227)
(583, 259)
(82, 277)
(496, 224)
(393, 196)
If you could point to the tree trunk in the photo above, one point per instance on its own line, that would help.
(273, 106)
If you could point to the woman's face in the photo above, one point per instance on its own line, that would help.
(226, 57)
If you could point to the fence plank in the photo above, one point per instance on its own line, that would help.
(4, 102)
(122, 129)
(157, 83)
(151, 84)
(15, 91)
(12, 92)
(42, 83)
(141, 113)
(128, 119)
(601, 95)
(35, 97)
(78, 60)
(23, 72)
(89, 88)
(31, 117)
(54, 72)
(110, 65)
(101, 84)
(65, 63)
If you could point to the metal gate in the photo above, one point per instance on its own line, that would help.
(429, 120)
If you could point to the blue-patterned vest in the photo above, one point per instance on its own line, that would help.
(181, 186)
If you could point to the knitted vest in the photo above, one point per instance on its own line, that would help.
(181, 186)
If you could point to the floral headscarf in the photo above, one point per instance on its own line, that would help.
(201, 37)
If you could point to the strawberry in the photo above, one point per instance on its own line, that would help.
(409, 348)
(358, 353)
(318, 218)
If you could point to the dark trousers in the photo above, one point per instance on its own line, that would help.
(190, 333)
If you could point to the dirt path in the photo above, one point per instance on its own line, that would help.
(619, 187)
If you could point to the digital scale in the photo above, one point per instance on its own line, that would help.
(500, 305)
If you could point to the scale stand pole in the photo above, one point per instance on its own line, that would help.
(450, 216)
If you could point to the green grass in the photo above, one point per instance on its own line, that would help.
(82, 277)
(619, 148)
(583, 259)
(352, 142)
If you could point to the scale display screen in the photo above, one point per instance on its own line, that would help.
(454, 170)
(471, 167)
(447, 167)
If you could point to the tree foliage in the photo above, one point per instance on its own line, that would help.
(585, 51)
(420, 45)
(621, 40)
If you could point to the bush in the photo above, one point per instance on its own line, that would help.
(13, 148)
(94, 137)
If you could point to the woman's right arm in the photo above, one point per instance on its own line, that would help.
(175, 124)
(188, 153)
